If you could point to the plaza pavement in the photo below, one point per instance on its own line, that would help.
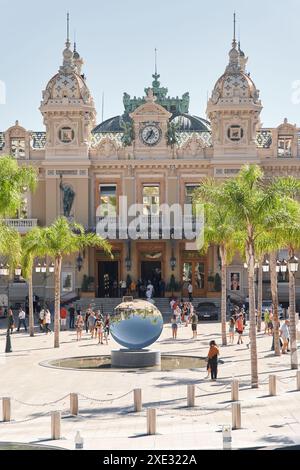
(112, 424)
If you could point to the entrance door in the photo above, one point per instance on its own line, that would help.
(194, 272)
(151, 271)
(108, 273)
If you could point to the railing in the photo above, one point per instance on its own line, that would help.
(21, 225)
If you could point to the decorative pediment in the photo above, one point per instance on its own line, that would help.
(107, 148)
(286, 128)
(150, 108)
(17, 131)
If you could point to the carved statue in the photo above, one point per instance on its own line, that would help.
(173, 133)
(68, 196)
(128, 135)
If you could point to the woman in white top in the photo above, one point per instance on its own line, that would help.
(47, 321)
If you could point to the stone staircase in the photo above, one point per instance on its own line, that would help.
(107, 305)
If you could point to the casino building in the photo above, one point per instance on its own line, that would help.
(155, 152)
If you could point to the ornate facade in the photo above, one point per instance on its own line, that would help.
(154, 153)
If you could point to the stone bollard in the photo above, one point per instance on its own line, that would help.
(191, 396)
(6, 409)
(151, 421)
(137, 399)
(227, 439)
(235, 390)
(55, 425)
(236, 415)
(74, 409)
(298, 380)
(272, 385)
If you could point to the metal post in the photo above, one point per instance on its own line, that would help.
(272, 385)
(236, 415)
(191, 396)
(137, 398)
(151, 421)
(6, 409)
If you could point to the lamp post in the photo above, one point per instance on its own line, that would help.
(43, 269)
(79, 265)
(293, 265)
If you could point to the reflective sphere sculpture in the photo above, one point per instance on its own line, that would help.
(136, 324)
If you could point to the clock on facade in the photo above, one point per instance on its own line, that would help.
(66, 135)
(235, 133)
(150, 134)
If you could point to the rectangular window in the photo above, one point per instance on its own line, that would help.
(17, 147)
(189, 191)
(151, 199)
(108, 200)
(285, 146)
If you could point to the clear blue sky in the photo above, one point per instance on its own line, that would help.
(117, 40)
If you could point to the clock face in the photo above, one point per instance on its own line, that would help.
(150, 134)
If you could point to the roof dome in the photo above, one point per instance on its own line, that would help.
(235, 85)
(114, 124)
(189, 123)
(67, 83)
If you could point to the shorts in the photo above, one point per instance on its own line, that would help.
(174, 326)
(239, 332)
(194, 327)
(63, 321)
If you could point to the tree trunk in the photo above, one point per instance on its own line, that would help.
(223, 294)
(274, 292)
(253, 345)
(57, 276)
(259, 296)
(30, 301)
(292, 317)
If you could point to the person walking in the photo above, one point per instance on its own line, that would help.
(71, 317)
(10, 321)
(240, 328)
(41, 319)
(231, 330)
(63, 318)
(174, 326)
(190, 291)
(47, 321)
(87, 314)
(107, 325)
(22, 319)
(100, 329)
(285, 335)
(79, 324)
(194, 323)
(91, 324)
(212, 360)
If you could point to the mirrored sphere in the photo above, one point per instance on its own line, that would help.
(136, 324)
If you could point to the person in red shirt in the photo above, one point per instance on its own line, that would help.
(63, 318)
(240, 328)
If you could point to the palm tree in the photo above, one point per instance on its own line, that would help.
(57, 241)
(218, 230)
(30, 251)
(14, 181)
(255, 207)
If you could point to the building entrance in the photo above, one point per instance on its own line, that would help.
(108, 278)
(151, 271)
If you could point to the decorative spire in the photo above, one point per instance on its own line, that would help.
(156, 76)
(234, 31)
(68, 64)
(234, 65)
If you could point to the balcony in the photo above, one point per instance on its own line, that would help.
(21, 225)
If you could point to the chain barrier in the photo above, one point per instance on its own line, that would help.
(41, 404)
(106, 400)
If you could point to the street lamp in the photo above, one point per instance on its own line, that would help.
(278, 266)
(266, 266)
(18, 271)
(293, 264)
(4, 270)
(79, 262)
(284, 266)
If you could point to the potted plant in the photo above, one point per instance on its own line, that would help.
(87, 287)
